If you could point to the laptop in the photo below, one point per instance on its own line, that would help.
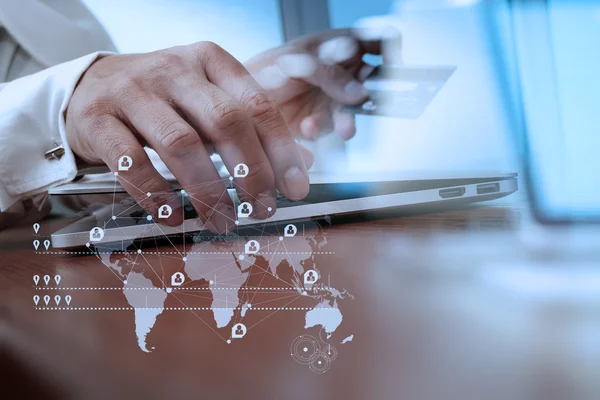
(328, 196)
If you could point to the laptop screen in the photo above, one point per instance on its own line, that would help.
(558, 53)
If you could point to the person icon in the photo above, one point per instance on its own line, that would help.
(96, 234)
(177, 279)
(238, 331)
(240, 171)
(164, 211)
(252, 247)
(244, 210)
(290, 230)
(310, 278)
(125, 162)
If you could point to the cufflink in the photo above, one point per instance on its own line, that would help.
(55, 153)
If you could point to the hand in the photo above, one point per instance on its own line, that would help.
(311, 77)
(183, 102)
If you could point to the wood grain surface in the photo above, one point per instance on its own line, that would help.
(431, 318)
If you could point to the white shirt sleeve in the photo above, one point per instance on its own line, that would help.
(31, 123)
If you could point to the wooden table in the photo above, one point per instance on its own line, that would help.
(445, 306)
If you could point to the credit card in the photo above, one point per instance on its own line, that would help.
(402, 92)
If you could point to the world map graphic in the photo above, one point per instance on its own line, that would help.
(219, 268)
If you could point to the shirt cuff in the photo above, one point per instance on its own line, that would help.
(32, 123)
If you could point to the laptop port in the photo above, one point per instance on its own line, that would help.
(453, 192)
(488, 188)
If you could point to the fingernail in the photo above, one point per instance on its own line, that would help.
(337, 50)
(297, 65)
(296, 184)
(345, 126)
(222, 219)
(355, 91)
(308, 129)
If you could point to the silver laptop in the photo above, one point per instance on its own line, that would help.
(329, 196)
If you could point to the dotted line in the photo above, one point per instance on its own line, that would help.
(182, 308)
(236, 288)
(179, 253)
(173, 288)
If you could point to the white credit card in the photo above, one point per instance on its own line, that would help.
(401, 91)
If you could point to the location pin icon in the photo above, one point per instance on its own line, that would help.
(46, 279)
(68, 299)
(57, 279)
(36, 227)
(46, 244)
(36, 244)
(46, 299)
(36, 299)
(57, 299)
(36, 279)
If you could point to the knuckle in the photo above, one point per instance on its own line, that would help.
(210, 54)
(209, 194)
(228, 119)
(173, 135)
(97, 108)
(207, 47)
(118, 149)
(97, 129)
(260, 107)
(125, 86)
(166, 62)
(261, 171)
(146, 183)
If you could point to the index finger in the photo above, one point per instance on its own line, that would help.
(291, 176)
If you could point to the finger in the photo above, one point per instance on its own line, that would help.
(393, 45)
(182, 150)
(322, 123)
(113, 140)
(338, 50)
(369, 41)
(307, 156)
(372, 31)
(297, 65)
(316, 125)
(364, 71)
(379, 35)
(223, 121)
(277, 141)
(344, 125)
